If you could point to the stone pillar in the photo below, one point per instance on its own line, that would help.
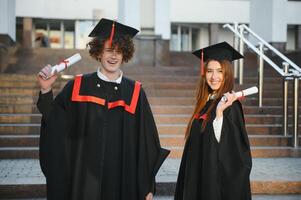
(27, 28)
(7, 22)
(179, 34)
(129, 13)
(268, 20)
(62, 25)
(7, 31)
(152, 17)
(298, 37)
(162, 19)
(213, 33)
(163, 30)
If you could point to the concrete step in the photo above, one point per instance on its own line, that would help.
(20, 118)
(19, 152)
(187, 101)
(254, 197)
(164, 197)
(255, 140)
(18, 108)
(18, 100)
(190, 101)
(166, 140)
(143, 76)
(19, 129)
(38, 191)
(174, 129)
(151, 84)
(156, 109)
(149, 91)
(159, 118)
(262, 129)
(23, 178)
(249, 118)
(176, 152)
(19, 140)
(257, 152)
(247, 109)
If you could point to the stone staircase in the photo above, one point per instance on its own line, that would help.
(171, 98)
(170, 91)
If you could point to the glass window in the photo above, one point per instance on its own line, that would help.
(174, 39)
(185, 39)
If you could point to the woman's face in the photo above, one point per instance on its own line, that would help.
(214, 75)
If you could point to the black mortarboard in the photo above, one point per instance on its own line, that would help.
(220, 51)
(107, 28)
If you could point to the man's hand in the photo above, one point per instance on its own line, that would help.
(46, 84)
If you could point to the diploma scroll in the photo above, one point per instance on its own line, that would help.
(243, 93)
(64, 64)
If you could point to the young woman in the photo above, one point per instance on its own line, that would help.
(216, 162)
(98, 136)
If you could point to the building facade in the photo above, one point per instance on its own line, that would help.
(181, 25)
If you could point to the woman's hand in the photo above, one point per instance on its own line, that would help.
(149, 196)
(46, 84)
(222, 105)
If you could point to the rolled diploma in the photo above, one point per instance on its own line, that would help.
(246, 92)
(66, 63)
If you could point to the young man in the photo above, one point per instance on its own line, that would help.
(98, 137)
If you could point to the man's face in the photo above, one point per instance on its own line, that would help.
(110, 58)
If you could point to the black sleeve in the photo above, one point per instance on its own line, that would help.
(151, 155)
(56, 124)
(45, 103)
(235, 117)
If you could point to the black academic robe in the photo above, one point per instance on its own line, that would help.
(212, 170)
(99, 141)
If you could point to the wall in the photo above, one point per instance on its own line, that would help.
(8, 19)
(206, 11)
(67, 9)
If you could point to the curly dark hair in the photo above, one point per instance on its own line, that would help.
(124, 44)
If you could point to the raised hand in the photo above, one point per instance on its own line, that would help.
(46, 84)
(222, 105)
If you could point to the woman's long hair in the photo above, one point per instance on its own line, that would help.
(204, 90)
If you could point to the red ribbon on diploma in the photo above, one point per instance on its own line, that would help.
(65, 62)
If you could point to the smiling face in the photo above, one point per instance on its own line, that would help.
(111, 59)
(214, 75)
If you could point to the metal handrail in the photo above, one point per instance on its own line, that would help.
(287, 74)
(284, 58)
(267, 59)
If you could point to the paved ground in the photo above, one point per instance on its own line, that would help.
(285, 169)
(261, 197)
(26, 171)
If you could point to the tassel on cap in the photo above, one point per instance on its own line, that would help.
(112, 34)
(202, 63)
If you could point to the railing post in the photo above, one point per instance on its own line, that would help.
(235, 45)
(241, 51)
(260, 75)
(285, 94)
(295, 125)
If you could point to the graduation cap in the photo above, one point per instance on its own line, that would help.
(220, 51)
(107, 28)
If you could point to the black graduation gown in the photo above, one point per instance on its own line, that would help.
(216, 171)
(91, 152)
